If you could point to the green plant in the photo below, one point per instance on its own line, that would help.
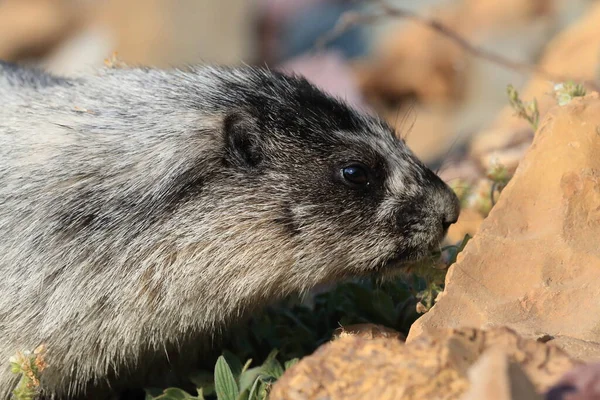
(564, 92)
(499, 176)
(231, 380)
(30, 366)
(527, 110)
(298, 326)
(482, 196)
(463, 191)
(433, 270)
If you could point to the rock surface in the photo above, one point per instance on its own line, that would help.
(494, 376)
(534, 264)
(66, 35)
(34, 28)
(434, 367)
(368, 331)
(581, 383)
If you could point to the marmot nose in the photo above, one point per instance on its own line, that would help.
(451, 212)
(446, 224)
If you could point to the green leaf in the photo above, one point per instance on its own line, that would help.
(272, 367)
(250, 376)
(259, 390)
(152, 393)
(225, 384)
(263, 390)
(464, 242)
(290, 363)
(234, 363)
(383, 304)
(203, 380)
(169, 394)
(254, 391)
(272, 355)
(177, 394)
(246, 366)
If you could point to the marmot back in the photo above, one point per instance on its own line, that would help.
(142, 210)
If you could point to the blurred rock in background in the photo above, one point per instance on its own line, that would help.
(67, 35)
(436, 93)
(457, 92)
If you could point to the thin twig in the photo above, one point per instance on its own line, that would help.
(492, 194)
(347, 21)
(351, 19)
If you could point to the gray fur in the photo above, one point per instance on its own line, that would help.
(128, 229)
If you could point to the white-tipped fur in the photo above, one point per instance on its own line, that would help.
(157, 274)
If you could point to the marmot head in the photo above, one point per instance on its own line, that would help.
(350, 194)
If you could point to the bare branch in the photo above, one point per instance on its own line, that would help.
(352, 18)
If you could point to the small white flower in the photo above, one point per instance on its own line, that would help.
(563, 99)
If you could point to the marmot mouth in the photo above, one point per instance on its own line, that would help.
(394, 263)
(403, 259)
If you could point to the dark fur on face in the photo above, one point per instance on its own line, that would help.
(144, 209)
(307, 138)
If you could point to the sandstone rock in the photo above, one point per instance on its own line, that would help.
(161, 33)
(494, 376)
(581, 383)
(493, 14)
(534, 264)
(33, 28)
(368, 331)
(166, 33)
(414, 61)
(432, 368)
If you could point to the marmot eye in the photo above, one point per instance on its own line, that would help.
(355, 175)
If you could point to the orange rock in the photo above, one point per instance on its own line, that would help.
(368, 331)
(33, 28)
(412, 60)
(161, 33)
(534, 264)
(164, 33)
(493, 376)
(434, 368)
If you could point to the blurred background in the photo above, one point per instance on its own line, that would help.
(437, 94)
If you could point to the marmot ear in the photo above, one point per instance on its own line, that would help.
(242, 140)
